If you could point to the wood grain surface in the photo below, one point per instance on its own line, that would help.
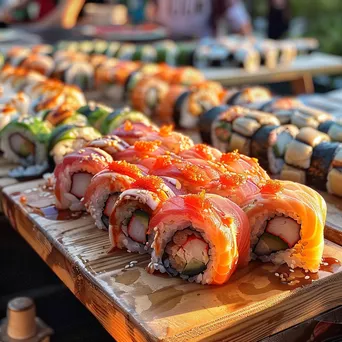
(136, 306)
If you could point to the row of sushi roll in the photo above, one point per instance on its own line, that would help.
(170, 95)
(233, 50)
(198, 212)
(304, 155)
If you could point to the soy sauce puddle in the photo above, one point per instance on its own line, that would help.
(285, 278)
(41, 201)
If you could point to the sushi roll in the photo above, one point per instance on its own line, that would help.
(171, 141)
(57, 116)
(247, 96)
(282, 107)
(187, 76)
(169, 106)
(334, 184)
(167, 52)
(120, 116)
(305, 116)
(241, 164)
(269, 145)
(105, 188)
(269, 53)
(73, 176)
(196, 241)
(191, 105)
(16, 55)
(126, 52)
(100, 47)
(287, 52)
(145, 53)
(41, 63)
(287, 225)
(80, 74)
(112, 144)
(21, 102)
(95, 113)
(133, 211)
(299, 151)
(235, 128)
(132, 132)
(25, 142)
(210, 53)
(147, 94)
(43, 49)
(68, 138)
(112, 49)
(332, 128)
(201, 151)
(8, 113)
(117, 77)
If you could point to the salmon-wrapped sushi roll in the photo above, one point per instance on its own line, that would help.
(132, 132)
(239, 163)
(235, 186)
(170, 140)
(202, 151)
(134, 209)
(187, 76)
(201, 238)
(74, 173)
(105, 188)
(148, 93)
(287, 224)
(141, 152)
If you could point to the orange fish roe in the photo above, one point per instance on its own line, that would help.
(23, 199)
(125, 168)
(193, 173)
(153, 184)
(271, 187)
(227, 220)
(163, 161)
(128, 126)
(197, 201)
(204, 151)
(230, 157)
(147, 146)
(232, 179)
(165, 130)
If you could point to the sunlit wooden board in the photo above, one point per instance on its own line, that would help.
(136, 306)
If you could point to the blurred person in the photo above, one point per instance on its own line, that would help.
(199, 18)
(279, 16)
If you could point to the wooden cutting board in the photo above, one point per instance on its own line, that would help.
(136, 306)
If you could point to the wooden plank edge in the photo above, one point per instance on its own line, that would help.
(75, 279)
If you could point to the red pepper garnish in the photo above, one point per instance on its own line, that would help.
(230, 157)
(271, 187)
(121, 166)
(165, 130)
(232, 179)
(147, 146)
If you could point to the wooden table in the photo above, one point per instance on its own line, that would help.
(300, 72)
(135, 306)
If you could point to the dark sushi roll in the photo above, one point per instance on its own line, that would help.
(86, 47)
(112, 49)
(100, 47)
(68, 138)
(333, 129)
(119, 117)
(80, 74)
(334, 184)
(247, 96)
(305, 116)
(269, 145)
(126, 52)
(321, 165)
(282, 107)
(167, 52)
(145, 53)
(237, 127)
(95, 113)
(210, 53)
(206, 120)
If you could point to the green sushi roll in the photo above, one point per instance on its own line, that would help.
(95, 114)
(167, 52)
(120, 116)
(126, 52)
(25, 142)
(112, 49)
(100, 47)
(67, 138)
(145, 53)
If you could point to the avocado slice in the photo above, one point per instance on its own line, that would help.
(269, 244)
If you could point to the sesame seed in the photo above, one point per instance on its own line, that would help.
(276, 274)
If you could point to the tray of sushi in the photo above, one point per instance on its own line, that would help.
(177, 240)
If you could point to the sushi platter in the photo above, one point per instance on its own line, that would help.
(133, 305)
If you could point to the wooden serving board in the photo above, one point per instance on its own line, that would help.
(136, 306)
